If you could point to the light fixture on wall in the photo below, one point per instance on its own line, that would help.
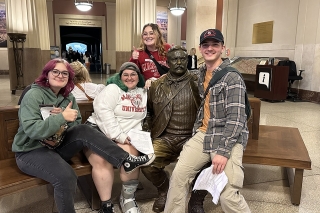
(83, 5)
(177, 11)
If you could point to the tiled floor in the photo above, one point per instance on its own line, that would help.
(264, 188)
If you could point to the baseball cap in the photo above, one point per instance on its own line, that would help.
(211, 33)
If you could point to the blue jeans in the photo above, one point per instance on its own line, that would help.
(51, 165)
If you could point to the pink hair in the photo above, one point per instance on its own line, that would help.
(42, 80)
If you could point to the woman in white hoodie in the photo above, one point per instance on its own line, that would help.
(118, 108)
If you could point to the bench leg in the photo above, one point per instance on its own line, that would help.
(295, 181)
(90, 192)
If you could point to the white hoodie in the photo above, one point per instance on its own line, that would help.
(116, 111)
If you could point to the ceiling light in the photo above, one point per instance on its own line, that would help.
(177, 11)
(83, 5)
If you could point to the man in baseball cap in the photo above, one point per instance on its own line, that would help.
(220, 132)
(211, 34)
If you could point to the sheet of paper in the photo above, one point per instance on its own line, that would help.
(141, 141)
(213, 183)
(45, 111)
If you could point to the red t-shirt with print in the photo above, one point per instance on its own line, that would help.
(147, 66)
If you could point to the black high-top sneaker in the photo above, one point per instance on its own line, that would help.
(131, 163)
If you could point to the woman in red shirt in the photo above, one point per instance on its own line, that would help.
(152, 41)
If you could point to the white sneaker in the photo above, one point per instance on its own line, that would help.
(129, 205)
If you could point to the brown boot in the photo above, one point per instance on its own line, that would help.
(160, 202)
(195, 204)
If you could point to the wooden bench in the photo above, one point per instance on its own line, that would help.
(284, 147)
(12, 180)
(277, 146)
(267, 145)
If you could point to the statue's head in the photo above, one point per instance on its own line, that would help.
(177, 59)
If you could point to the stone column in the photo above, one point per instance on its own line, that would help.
(174, 29)
(144, 11)
(201, 16)
(230, 24)
(131, 16)
(51, 23)
(110, 52)
(29, 17)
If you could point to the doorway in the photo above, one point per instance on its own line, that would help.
(77, 41)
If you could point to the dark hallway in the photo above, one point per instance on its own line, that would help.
(90, 36)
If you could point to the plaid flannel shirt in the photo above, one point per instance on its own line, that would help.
(227, 123)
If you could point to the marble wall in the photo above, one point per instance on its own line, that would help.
(121, 57)
(296, 32)
(4, 62)
(34, 60)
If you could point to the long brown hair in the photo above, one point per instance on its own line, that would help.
(159, 41)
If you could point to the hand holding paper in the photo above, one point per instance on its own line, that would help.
(213, 183)
(141, 141)
(46, 111)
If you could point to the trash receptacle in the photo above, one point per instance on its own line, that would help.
(107, 68)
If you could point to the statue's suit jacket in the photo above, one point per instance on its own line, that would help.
(160, 99)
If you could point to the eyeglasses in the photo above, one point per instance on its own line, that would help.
(56, 73)
(132, 75)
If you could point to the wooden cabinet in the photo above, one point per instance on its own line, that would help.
(271, 82)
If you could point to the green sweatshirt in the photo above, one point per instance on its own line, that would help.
(32, 127)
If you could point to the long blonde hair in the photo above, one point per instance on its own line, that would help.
(159, 41)
(81, 73)
(192, 51)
